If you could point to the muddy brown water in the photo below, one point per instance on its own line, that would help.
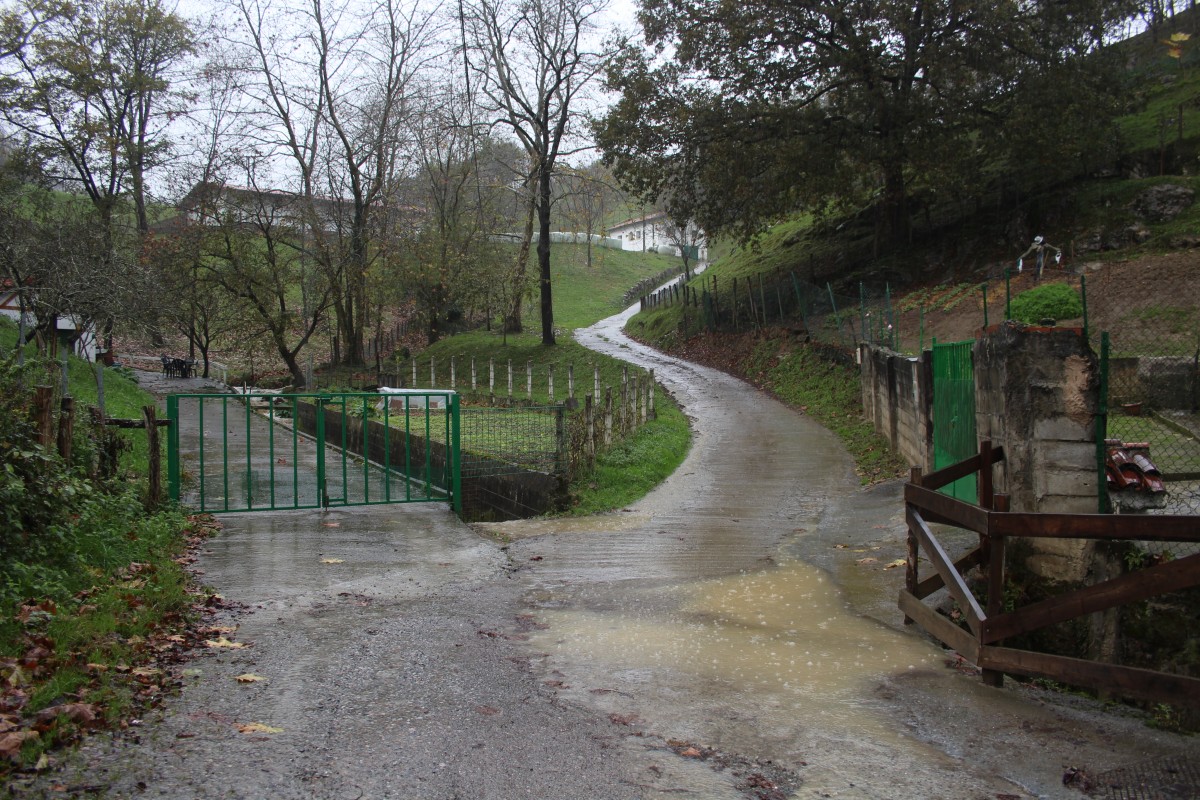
(732, 635)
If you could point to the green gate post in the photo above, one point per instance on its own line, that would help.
(322, 496)
(455, 456)
(173, 447)
(1102, 429)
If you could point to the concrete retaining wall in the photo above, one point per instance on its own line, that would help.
(898, 399)
(1036, 395)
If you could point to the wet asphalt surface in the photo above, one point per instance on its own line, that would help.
(732, 635)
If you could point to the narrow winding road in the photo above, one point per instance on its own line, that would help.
(732, 635)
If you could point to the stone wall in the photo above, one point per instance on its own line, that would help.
(897, 399)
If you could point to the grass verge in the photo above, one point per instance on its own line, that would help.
(94, 599)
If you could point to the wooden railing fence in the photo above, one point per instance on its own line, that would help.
(982, 642)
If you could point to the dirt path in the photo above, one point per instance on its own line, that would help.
(732, 635)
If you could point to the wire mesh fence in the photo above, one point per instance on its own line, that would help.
(950, 311)
(1151, 348)
(1152, 387)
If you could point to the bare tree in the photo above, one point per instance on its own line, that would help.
(251, 251)
(331, 97)
(535, 62)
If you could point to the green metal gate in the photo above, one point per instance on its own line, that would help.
(263, 452)
(954, 413)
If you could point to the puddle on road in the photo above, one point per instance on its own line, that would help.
(775, 648)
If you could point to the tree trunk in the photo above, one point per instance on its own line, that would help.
(543, 251)
(895, 203)
(512, 323)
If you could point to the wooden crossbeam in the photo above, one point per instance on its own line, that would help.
(947, 509)
(1124, 681)
(1152, 528)
(945, 567)
(948, 475)
(940, 627)
(935, 582)
(1132, 587)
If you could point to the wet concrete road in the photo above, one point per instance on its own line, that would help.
(733, 632)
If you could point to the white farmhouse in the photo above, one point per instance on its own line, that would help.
(656, 234)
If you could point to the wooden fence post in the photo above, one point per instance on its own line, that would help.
(432, 373)
(150, 413)
(66, 428)
(596, 381)
(472, 373)
(589, 416)
(911, 576)
(452, 375)
(571, 384)
(995, 571)
(529, 380)
(650, 393)
(551, 379)
(43, 416)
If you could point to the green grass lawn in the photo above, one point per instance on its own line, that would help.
(583, 295)
(1171, 450)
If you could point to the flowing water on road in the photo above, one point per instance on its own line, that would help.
(689, 615)
(732, 635)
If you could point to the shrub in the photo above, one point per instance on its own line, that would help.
(1050, 301)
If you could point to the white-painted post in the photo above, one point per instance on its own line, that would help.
(596, 379)
(510, 379)
(608, 416)
(473, 385)
(414, 367)
(570, 383)
(551, 383)
(529, 380)
(452, 376)
(432, 373)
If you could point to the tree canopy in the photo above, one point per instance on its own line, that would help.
(740, 112)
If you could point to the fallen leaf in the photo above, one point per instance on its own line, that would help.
(249, 677)
(219, 629)
(624, 719)
(257, 727)
(899, 562)
(43, 763)
(331, 524)
(223, 642)
(10, 743)
(690, 752)
(333, 561)
(867, 560)
(79, 713)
